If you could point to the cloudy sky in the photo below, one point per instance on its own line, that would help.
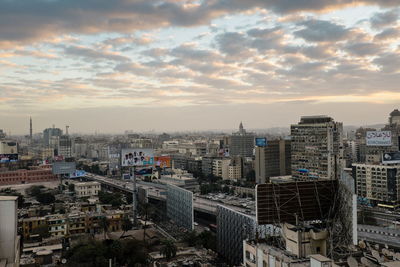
(167, 65)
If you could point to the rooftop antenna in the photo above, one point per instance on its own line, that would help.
(66, 129)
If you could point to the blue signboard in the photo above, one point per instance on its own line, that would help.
(261, 142)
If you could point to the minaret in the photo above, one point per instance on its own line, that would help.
(241, 130)
(30, 129)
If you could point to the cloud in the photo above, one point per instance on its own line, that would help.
(23, 22)
(363, 49)
(388, 34)
(321, 31)
(382, 19)
(91, 54)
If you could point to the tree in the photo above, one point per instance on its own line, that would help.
(34, 190)
(191, 238)
(104, 224)
(126, 225)
(45, 198)
(169, 249)
(71, 187)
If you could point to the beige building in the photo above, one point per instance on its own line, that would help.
(304, 241)
(9, 240)
(87, 189)
(8, 147)
(317, 148)
(302, 244)
(233, 170)
(219, 165)
(378, 183)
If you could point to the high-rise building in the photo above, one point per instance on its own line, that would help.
(242, 143)
(317, 148)
(273, 160)
(378, 183)
(49, 134)
(65, 146)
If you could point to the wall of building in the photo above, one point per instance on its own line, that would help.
(26, 176)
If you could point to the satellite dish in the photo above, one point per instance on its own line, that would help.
(368, 262)
(362, 244)
(376, 255)
(385, 252)
(352, 262)
(64, 261)
(397, 256)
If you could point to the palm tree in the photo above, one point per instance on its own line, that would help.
(169, 249)
(104, 224)
(126, 225)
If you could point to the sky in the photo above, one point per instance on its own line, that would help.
(175, 65)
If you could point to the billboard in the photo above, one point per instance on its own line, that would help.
(261, 142)
(283, 202)
(379, 138)
(8, 157)
(163, 161)
(77, 173)
(137, 157)
(63, 167)
(391, 158)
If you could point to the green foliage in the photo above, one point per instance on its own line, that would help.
(115, 199)
(168, 249)
(12, 192)
(210, 188)
(34, 190)
(45, 198)
(206, 239)
(97, 253)
(71, 187)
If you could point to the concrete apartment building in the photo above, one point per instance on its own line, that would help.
(378, 183)
(87, 189)
(8, 147)
(302, 245)
(9, 239)
(273, 160)
(242, 143)
(317, 148)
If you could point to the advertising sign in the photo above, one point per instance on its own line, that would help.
(8, 157)
(379, 138)
(261, 142)
(162, 161)
(63, 167)
(137, 157)
(77, 173)
(391, 158)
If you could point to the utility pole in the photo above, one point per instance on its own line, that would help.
(134, 194)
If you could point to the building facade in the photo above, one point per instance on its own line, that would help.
(27, 176)
(242, 143)
(378, 183)
(87, 189)
(273, 160)
(9, 239)
(317, 148)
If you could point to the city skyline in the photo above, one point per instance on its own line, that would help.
(196, 65)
